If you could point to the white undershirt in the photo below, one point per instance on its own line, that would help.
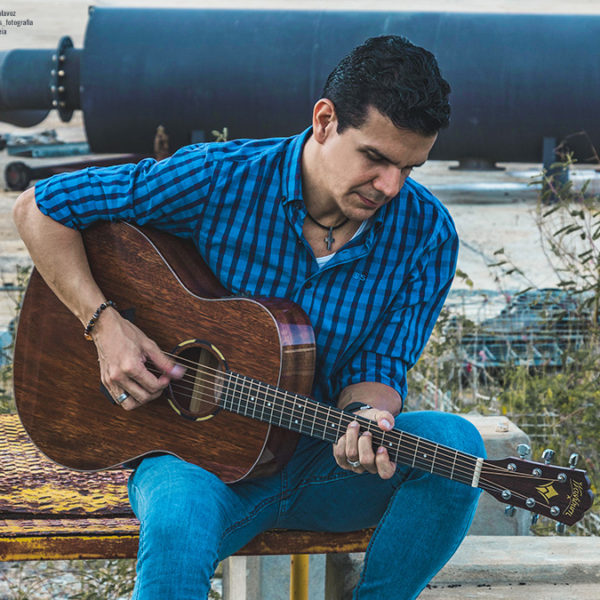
(323, 260)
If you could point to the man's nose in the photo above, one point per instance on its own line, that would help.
(389, 181)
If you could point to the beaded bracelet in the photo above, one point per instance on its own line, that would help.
(87, 332)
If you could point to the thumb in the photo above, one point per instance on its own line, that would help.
(165, 364)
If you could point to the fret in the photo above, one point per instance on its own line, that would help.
(243, 403)
(415, 453)
(453, 464)
(326, 424)
(313, 421)
(226, 392)
(291, 400)
(264, 403)
(331, 425)
(269, 405)
(252, 397)
(282, 410)
(341, 426)
(234, 403)
(434, 457)
(304, 403)
(318, 424)
(312, 416)
(390, 443)
(295, 422)
(423, 460)
(247, 395)
(320, 418)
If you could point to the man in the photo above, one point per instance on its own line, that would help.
(331, 220)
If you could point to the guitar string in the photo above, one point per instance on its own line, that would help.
(321, 422)
(421, 443)
(484, 483)
(462, 469)
(403, 451)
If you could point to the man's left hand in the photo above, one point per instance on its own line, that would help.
(357, 447)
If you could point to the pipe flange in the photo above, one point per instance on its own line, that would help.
(58, 79)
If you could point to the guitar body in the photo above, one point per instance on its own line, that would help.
(162, 285)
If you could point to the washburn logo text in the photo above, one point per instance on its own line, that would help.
(575, 497)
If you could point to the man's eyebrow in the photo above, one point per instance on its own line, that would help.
(382, 156)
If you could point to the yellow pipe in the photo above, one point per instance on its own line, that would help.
(299, 577)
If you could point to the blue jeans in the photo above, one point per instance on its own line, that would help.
(190, 520)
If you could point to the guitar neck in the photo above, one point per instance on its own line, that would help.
(267, 403)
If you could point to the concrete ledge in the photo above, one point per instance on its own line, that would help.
(523, 591)
(482, 560)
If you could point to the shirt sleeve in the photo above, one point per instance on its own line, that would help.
(400, 336)
(165, 193)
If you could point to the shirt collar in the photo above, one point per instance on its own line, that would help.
(291, 181)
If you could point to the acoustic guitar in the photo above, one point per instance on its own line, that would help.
(242, 402)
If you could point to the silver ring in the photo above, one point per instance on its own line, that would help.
(122, 398)
(353, 463)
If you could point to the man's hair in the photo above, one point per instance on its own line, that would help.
(401, 80)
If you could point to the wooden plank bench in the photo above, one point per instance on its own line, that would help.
(48, 512)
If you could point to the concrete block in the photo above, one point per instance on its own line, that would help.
(268, 578)
(501, 438)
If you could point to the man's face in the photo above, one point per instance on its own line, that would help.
(364, 168)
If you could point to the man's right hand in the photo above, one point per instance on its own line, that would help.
(130, 362)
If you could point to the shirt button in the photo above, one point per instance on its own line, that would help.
(308, 285)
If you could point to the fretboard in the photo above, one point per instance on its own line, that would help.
(267, 403)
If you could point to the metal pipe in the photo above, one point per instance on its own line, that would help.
(516, 79)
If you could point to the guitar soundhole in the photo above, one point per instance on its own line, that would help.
(197, 395)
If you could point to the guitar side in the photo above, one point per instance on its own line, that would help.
(161, 283)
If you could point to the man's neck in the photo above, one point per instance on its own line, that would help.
(321, 208)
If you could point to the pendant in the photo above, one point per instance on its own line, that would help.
(329, 239)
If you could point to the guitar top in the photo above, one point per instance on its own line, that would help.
(163, 286)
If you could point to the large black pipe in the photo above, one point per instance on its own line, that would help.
(34, 81)
(516, 79)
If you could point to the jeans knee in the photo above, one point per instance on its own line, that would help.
(468, 436)
(448, 429)
(176, 501)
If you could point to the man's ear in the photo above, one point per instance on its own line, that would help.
(324, 120)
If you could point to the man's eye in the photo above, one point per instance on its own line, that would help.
(374, 157)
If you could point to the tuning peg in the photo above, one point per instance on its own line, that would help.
(510, 510)
(534, 518)
(548, 455)
(573, 460)
(524, 450)
(560, 528)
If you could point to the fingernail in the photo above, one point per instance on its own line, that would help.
(386, 423)
(365, 433)
(380, 450)
(354, 424)
(177, 371)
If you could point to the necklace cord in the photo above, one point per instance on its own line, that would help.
(330, 229)
(327, 227)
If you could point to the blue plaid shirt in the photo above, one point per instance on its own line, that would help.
(372, 307)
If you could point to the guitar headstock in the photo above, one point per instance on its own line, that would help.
(562, 494)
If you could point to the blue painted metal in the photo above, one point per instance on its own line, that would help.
(49, 150)
(516, 78)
